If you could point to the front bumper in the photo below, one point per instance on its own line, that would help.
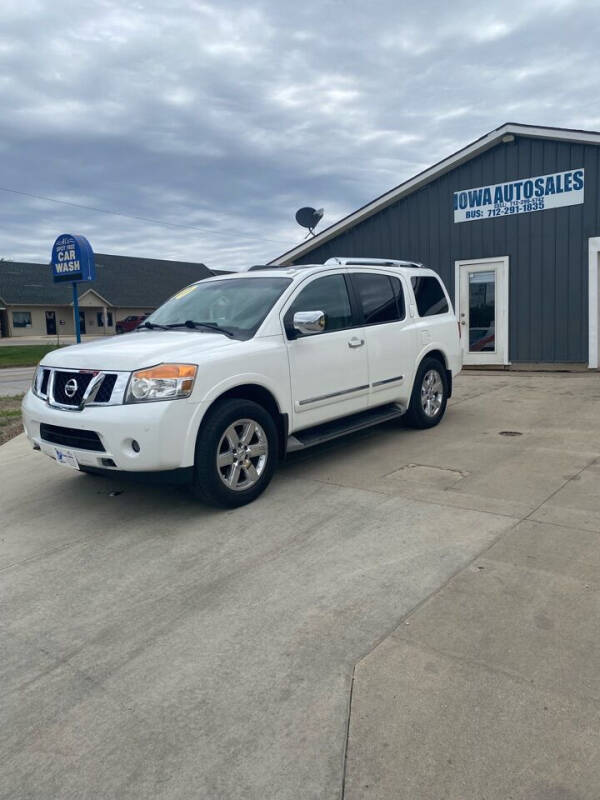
(165, 432)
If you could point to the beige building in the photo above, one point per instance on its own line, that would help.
(31, 304)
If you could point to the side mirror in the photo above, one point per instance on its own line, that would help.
(309, 322)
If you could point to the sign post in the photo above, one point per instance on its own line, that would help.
(73, 261)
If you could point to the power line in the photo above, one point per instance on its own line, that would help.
(128, 216)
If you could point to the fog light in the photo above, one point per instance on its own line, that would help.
(135, 446)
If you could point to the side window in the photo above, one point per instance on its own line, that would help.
(399, 293)
(429, 295)
(329, 295)
(378, 297)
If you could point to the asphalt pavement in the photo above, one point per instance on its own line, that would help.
(403, 614)
(15, 380)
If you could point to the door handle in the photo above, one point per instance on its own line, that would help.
(356, 342)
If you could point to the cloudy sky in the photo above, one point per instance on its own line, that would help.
(222, 118)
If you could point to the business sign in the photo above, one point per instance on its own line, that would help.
(520, 197)
(72, 259)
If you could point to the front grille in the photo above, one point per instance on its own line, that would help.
(61, 379)
(105, 391)
(44, 383)
(71, 437)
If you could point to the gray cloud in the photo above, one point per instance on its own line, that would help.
(228, 117)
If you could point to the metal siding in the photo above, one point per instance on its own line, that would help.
(547, 250)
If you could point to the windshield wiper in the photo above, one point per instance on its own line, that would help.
(211, 326)
(152, 326)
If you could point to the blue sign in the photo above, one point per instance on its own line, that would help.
(72, 259)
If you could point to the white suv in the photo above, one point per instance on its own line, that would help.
(233, 372)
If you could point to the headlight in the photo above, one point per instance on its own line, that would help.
(164, 382)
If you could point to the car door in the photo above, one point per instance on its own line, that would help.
(389, 334)
(328, 370)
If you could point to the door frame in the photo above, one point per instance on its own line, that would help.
(502, 308)
(594, 302)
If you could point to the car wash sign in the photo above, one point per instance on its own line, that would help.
(520, 197)
(72, 259)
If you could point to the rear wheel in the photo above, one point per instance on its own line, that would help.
(429, 395)
(236, 454)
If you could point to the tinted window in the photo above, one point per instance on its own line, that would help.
(429, 295)
(328, 295)
(399, 292)
(376, 297)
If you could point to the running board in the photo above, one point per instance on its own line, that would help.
(340, 427)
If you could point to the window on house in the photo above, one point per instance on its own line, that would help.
(429, 295)
(100, 319)
(21, 319)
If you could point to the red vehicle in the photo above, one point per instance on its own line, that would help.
(130, 323)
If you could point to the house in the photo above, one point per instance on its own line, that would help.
(32, 305)
(512, 224)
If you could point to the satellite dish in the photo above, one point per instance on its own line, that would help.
(308, 217)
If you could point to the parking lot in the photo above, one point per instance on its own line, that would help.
(404, 614)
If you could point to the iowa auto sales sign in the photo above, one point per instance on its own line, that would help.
(520, 197)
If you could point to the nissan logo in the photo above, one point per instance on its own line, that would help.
(71, 387)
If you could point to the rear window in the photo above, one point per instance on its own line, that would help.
(429, 295)
(378, 297)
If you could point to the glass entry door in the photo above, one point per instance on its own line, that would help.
(482, 310)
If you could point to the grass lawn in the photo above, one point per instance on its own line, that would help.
(26, 355)
(10, 416)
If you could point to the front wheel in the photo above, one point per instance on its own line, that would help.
(429, 395)
(236, 454)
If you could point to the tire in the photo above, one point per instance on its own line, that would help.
(230, 428)
(429, 395)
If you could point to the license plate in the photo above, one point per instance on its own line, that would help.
(66, 458)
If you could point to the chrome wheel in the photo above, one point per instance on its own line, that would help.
(432, 393)
(242, 454)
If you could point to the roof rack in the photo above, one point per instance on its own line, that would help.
(257, 267)
(376, 262)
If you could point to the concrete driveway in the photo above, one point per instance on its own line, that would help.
(155, 648)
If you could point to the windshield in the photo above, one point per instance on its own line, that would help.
(238, 305)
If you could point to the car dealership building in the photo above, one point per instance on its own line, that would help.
(512, 224)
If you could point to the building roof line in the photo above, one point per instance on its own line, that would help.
(121, 282)
(469, 151)
(91, 290)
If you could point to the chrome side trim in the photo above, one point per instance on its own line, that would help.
(388, 380)
(333, 394)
